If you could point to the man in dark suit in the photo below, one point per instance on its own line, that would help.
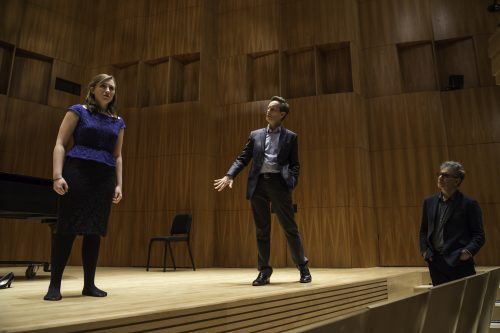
(273, 175)
(451, 232)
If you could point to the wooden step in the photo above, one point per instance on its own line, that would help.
(495, 315)
(495, 328)
(422, 288)
(270, 314)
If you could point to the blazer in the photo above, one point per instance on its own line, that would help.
(288, 158)
(463, 228)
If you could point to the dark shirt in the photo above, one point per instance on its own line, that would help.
(443, 211)
(95, 136)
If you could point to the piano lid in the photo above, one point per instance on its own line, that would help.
(26, 197)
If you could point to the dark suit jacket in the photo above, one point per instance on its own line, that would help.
(288, 158)
(463, 228)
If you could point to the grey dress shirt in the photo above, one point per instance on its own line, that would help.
(271, 150)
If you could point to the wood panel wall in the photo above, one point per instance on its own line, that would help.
(416, 122)
(169, 153)
(494, 54)
(367, 84)
(313, 48)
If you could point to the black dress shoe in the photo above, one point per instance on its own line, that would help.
(6, 280)
(263, 278)
(305, 275)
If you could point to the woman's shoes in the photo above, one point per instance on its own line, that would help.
(94, 292)
(53, 294)
(6, 280)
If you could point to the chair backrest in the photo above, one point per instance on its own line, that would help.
(396, 316)
(475, 289)
(443, 308)
(181, 224)
(489, 301)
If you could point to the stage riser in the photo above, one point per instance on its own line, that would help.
(269, 314)
(279, 316)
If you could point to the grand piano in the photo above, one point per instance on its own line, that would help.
(28, 198)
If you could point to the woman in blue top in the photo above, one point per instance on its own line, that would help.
(88, 178)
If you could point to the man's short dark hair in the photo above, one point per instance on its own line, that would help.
(284, 107)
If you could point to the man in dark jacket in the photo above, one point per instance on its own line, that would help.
(273, 175)
(451, 231)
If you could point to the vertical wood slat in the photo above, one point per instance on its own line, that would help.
(29, 152)
(69, 72)
(6, 62)
(417, 67)
(306, 23)
(265, 76)
(190, 91)
(382, 71)
(23, 232)
(127, 89)
(457, 57)
(488, 256)
(451, 19)
(389, 22)
(184, 79)
(407, 121)
(155, 85)
(494, 55)
(405, 177)
(335, 69)
(38, 69)
(479, 109)
(11, 14)
(252, 28)
(396, 248)
(479, 162)
(484, 63)
(169, 33)
(119, 42)
(44, 31)
(299, 71)
(233, 79)
(297, 25)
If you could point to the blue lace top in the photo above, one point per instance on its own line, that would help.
(95, 136)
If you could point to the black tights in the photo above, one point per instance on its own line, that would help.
(61, 249)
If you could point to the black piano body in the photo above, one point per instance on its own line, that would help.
(28, 198)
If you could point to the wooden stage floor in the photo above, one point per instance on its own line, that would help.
(205, 300)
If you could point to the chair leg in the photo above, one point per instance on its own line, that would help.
(165, 257)
(172, 256)
(149, 255)
(191, 256)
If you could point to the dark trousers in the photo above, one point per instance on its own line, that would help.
(441, 272)
(271, 188)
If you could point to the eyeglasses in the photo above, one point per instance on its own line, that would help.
(445, 175)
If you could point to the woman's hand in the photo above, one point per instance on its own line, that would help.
(118, 194)
(60, 186)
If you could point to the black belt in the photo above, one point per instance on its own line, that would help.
(269, 175)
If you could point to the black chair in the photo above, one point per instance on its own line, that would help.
(179, 232)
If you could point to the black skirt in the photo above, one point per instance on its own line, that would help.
(84, 209)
